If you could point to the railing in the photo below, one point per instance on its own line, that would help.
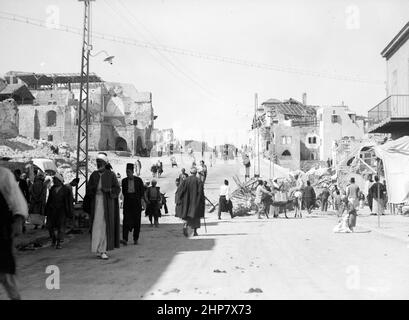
(394, 106)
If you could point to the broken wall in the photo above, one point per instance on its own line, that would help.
(8, 118)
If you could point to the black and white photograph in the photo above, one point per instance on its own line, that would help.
(203, 156)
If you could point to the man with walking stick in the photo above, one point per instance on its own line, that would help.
(191, 198)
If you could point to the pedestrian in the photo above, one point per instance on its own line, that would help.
(260, 191)
(225, 204)
(368, 185)
(24, 189)
(178, 202)
(202, 172)
(337, 202)
(347, 222)
(334, 194)
(361, 200)
(298, 203)
(13, 212)
(385, 194)
(269, 201)
(138, 166)
(103, 189)
(153, 203)
(211, 159)
(58, 209)
(377, 192)
(309, 197)
(247, 165)
(183, 175)
(352, 192)
(70, 186)
(154, 170)
(324, 199)
(38, 197)
(160, 168)
(193, 202)
(133, 192)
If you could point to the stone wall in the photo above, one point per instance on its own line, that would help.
(8, 118)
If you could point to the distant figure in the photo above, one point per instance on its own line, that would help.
(13, 213)
(153, 203)
(347, 222)
(377, 192)
(183, 175)
(324, 199)
(138, 166)
(260, 192)
(202, 171)
(178, 202)
(309, 197)
(225, 204)
(246, 163)
(298, 203)
(329, 163)
(154, 170)
(352, 192)
(368, 185)
(211, 159)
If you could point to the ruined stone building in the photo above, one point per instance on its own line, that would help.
(298, 136)
(120, 117)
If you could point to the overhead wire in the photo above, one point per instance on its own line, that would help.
(191, 53)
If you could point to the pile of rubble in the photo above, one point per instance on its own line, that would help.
(22, 149)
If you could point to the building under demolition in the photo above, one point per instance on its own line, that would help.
(120, 117)
(297, 136)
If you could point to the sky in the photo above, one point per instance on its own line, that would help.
(213, 100)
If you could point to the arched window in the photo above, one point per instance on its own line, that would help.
(51, 118)
(286, 153)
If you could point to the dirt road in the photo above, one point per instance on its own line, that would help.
(243, 258)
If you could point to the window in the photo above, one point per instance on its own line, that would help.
(314, 140)
(334, 118)
(51, 118)
(286, 139)
(286, 153)
(50, 137)
(289, 140)
(283, 140)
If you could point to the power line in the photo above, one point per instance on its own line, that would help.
(186, 52)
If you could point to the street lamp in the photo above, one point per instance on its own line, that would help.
(108, 57)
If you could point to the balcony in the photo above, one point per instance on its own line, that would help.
(390, 115)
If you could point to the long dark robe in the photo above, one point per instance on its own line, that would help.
(132, 202)
(58, 207)
(178, 202)
(193, 201)
(308, 197)
(7, 261)
(111, 190)
(38, 195)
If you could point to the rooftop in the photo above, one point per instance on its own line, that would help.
(396, 43)
(291, 107)
(32, 78)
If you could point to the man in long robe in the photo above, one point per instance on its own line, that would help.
(193, 202)
(133, 191)
(103, 190)
(13, 212)
(309, 197)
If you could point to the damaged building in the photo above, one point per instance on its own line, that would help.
(299, 136)
(120, 117)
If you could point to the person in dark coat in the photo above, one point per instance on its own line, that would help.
(153, 203)
(24, 189)
(178, 203)
(133, 191)
(324, 199)
(309, 197)
(58, 209)
(38, 195)
(193, 202)
(13, 211)
(103, 190)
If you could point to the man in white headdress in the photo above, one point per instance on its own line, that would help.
(103, 190)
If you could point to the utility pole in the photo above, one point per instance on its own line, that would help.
(83, 111)
(257, 175)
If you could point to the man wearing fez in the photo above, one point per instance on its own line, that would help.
(192, 200)
(103, 190)
(133, 191)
